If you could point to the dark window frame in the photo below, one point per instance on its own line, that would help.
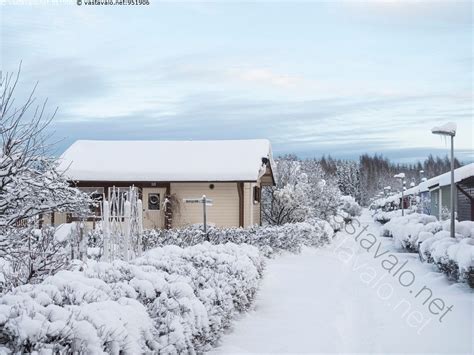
(257, 194)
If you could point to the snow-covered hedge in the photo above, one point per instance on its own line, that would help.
(431, 239)
(406, 230)
(453, 256)
(269, 239)
(172, 300)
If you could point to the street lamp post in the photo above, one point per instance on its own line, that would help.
(401, 177)
(449, 129)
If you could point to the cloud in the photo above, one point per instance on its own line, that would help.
(341, 127)
(265, 76)
(314, 78)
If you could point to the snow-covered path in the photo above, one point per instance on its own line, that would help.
(339, 299)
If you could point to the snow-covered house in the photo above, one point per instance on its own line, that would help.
(434, 194)
(230, 172)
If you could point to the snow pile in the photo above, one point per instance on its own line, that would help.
(269, 239)
(350, 206)
(171, 300)
(432, 240)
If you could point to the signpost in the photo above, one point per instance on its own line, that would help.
(205, 203)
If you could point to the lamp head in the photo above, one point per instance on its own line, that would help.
(448, 129)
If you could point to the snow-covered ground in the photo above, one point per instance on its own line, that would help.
(341, 299)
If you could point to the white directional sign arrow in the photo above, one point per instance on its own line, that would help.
(198, 200)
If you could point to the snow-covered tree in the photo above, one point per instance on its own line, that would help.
(288, 201)
(324, 195)
(30, 183)
(348, 178)
(301, 192)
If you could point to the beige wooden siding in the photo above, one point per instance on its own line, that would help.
(47, 219)
(59, 218)
(223, 213)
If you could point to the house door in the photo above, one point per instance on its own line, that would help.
(153, 209)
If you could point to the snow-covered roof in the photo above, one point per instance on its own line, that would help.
(425, 185)
(444, 179)
(459, 174)
(412, 190)
(219, 160)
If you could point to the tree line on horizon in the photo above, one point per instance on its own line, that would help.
(366, 178)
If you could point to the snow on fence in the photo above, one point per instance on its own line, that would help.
(122, 224)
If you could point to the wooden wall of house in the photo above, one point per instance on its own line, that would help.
(465, 204)
(223, 213)
(434, 202)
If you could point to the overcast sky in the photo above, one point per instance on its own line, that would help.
(339, 78)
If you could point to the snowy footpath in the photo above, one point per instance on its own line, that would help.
(349, 298)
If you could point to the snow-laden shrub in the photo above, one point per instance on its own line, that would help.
(432, 240)
(406, 230)
(169, 301)
(29, 255)
(463, 255)
(385, 216)
(453, 256)
(269, 239)
(350, 206)
(386, 204)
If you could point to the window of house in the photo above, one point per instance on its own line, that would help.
(257, 194)
(153, 201)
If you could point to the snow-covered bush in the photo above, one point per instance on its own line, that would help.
(386, 204)
(406, 230)
(432, 240)
(350, 206)
(384, 217)
(29, 255)
(453, 256)
(169, 301)
(269, 239)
